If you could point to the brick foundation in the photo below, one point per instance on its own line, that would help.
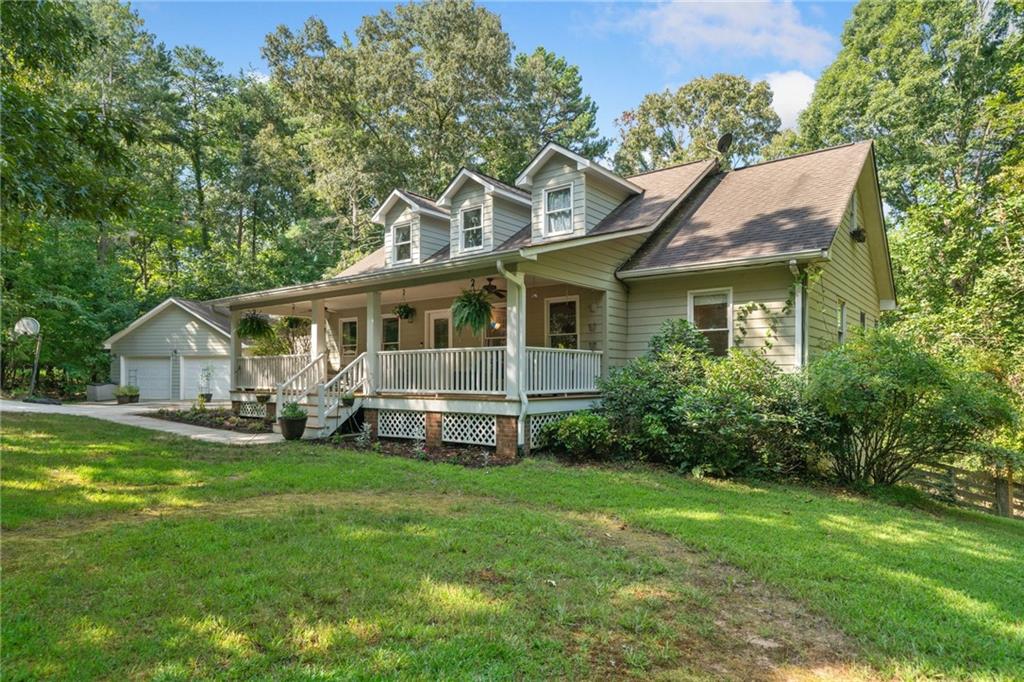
(507, 447)
(433, 430)
(370, 419)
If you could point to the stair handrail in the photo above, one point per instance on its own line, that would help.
(357, 368)
(293, 378)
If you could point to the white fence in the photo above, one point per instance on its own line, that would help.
(268, 371)
(451, 370)
(562, 370)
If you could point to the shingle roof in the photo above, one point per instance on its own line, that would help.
(372, 261)
(661, 190)
(207, 313)
(423, 201)
(778, 207)
(504, 185)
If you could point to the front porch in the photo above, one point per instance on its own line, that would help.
(542, 354)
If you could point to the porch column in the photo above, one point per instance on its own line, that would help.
(234, 349)
(317, 328)
(515, 338)
(373, 338)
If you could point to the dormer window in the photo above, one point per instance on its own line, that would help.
(472, 228)
(401, 239)
(558, 210)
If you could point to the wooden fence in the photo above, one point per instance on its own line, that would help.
(972, 489)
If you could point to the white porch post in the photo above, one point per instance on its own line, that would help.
(317, 328)
(515, 338)
(373, 339)
(235, 347)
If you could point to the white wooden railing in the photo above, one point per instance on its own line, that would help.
(561, 370)
(451, 370)
(267, 371)
(347, 381)
(299, 384)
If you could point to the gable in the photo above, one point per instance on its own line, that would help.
(169, 328)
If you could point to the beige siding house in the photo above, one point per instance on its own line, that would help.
(583, 267)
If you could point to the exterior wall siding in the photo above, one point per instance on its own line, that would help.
(847, 276)
(509, 217)
(602, 199)
(651, 302)
(171, 330)
(433, 236)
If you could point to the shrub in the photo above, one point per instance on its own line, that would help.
(894, 406)
(126, 390)
(579, 436)
(675, 333)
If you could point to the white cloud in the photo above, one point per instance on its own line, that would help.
(792, 91)
(746, 29)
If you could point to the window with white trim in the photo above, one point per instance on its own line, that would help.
(558, 210)
(472, 228)
(711, 313)
(349, 337)
(496, 333)
(562, 322)
(390, 336)
(401, 243)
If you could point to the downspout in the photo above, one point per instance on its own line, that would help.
(524, 402)
(798, 306)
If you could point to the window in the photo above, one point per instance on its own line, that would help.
(472, 228)
(497, 332)
(863, 320)
(711, 313)
(563, 322)
(558, 210)
(390, 335)
(349, 337)
(401, 238)
(841, 321)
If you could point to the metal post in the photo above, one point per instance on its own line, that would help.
(35, 365)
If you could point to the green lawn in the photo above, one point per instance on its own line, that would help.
(129, 554)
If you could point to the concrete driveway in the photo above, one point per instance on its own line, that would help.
(130, 415)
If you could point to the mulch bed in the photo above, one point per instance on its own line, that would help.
(213, 419)
(464, 455)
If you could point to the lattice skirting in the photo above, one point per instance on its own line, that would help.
(539, 421)
(402, 424)
(252, 410)
(474, 429)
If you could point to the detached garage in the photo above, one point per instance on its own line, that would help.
(169, 351)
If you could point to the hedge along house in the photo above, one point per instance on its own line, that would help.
(583, 267)
(166, 351)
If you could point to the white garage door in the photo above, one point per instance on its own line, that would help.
(191, 377)
(151, 375)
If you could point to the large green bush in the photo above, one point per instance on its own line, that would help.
(579, 436)
(894, 406)
(675, 333)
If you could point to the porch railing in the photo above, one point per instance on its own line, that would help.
(562, 370)
(348, 380)
(299, 384)
(451, 370)
(268, 371)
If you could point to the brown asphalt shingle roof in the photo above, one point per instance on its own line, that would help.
(661, 189)
(779, 207)
(423, 201)
(212, 316)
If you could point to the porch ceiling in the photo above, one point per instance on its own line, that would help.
(393, 296)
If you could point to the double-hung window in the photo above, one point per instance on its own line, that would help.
(349, 337)
(390, 333)
(401, 243)
(496, 332)
(472, 228)
(563, 322)
(711, 313)
(558, 210)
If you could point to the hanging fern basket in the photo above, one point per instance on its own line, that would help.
(404, 311)
(254, 325)
(471, 309)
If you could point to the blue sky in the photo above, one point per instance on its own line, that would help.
(624, 50)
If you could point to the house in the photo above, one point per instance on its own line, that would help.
(583, 266)
(173, 351)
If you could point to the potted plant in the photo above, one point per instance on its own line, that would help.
(404, 311)
(254, 325)
(205, 375)
(127, 394)
(471, 308)
(292, 421)
(262, 397)
(348, 398)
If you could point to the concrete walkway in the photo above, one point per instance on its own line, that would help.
(131, 415)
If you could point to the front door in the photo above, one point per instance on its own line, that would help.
(439, 329)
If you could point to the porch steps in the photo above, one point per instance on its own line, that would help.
(314, 429)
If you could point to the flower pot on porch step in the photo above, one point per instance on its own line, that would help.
(207, 397)
(292, 428)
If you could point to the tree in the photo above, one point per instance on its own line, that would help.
(675, 127)
(916, 77)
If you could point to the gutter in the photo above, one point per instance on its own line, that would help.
(705, 266)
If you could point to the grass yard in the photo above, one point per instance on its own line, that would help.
(132, 554)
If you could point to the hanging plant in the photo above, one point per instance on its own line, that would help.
(404, 311)
(254, 325)
(472, 309)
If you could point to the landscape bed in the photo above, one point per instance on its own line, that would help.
(129, 553)
(213, 418)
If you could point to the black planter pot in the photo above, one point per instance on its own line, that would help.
(123, 399)
(348, 402)
(262, 397)
(292, 428)
(133, 398)
(207, 397)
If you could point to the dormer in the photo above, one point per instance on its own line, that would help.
(569, 193)
(415, 228)
(484, 212)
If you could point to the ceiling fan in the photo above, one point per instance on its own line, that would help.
(492, 288)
